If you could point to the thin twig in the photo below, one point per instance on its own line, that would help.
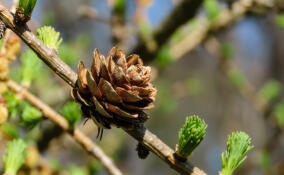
(249, 93)
(184, 11)
(46, 54)
(59, 120)
(205, 27)
(149, 140)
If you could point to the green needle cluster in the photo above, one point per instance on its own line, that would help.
(72, 112)
(120, 7)
(30, 115)
(49, 37)
(237, 147)
(190, 135)
(27, 6)
(15, 156)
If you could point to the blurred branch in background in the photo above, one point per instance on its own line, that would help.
(260, 100)
(49, 56)
(85, 11)
(204, 26)
(182, 12)
(59, 120)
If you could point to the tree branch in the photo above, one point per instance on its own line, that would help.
(183, 12)
(149, 140)
(46, 54)
(59, 120)
(204, 27)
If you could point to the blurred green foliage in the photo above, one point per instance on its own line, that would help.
(76, 170)
(10, 129)
(278, 112)
(54, 164)
(95, 166)
(31, 66)
(120, 7)
(164, 57)
(176, 36)
(212, 8)
(227, 51)
(68, 54)
(48, 19)
(194, 86)
(190, 135)
(271, 90)
(30, 116)
(145, 29)
(15, 156)
(72, 112)
(1, 42)
(239, 143)
(279, 19)
(236, 78)
(165, 102)
(12, 102)
(265, 161)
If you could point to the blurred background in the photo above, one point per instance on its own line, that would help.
(214, 80)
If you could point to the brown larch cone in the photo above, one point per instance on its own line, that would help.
(116, 90)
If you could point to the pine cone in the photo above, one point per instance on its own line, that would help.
(116, 90)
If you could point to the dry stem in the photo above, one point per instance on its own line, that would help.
(152, 142)
(59, 120)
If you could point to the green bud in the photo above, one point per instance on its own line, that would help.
(279, 19)
(27, 6)
(15, 156)
(49, 37)
(237, 147)
(72, 112)
(236, 78)
(30, 116)
(11, 130)
(270, 90)
(212, 8)
(190, 135)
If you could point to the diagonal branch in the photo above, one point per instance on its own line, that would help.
(59, 120)
(148, 139)
(205, 27)
(183, 12)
